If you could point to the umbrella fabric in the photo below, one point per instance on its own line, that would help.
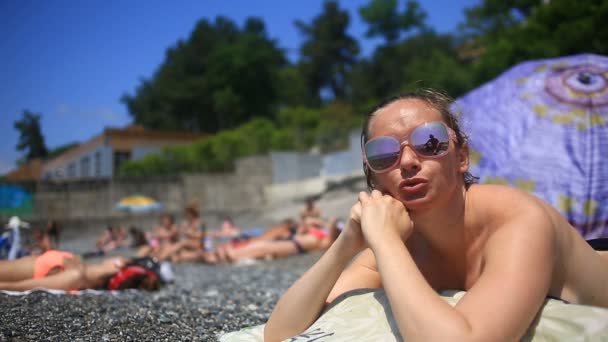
(542, 126)
(138, 203)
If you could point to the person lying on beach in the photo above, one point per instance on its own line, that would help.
(306, 240)
(181, 252)
(56, 270)
(228, 230)
(426, 227)
(282, 231)
(59, 270)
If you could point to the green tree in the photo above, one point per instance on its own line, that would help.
(384, 19)
(294, 89)
(328, 52)
(423, 59)
(492, 17)
(220, 77)
(301, 124)
(60, 149)
(31, 140)
(338, 119)
(556, 28)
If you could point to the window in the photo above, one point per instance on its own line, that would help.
(72, 170)
(85, 167)
(97, 164)
(59, 173)
(119, 158)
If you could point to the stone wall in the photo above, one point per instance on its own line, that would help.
(238, 191)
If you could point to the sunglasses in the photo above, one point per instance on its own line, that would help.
(429, 140)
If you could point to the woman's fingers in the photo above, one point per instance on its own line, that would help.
(363, 197)
(376, 194)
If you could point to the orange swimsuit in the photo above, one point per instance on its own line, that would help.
(48, 261)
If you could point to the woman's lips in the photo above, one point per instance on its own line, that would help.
(412, 185)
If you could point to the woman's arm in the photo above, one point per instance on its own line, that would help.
(516, 276)
(301, 305)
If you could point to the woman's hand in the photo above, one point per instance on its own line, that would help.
(351, 236)
(383, 217)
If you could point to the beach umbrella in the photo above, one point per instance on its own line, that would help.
(542, 126)
(138, 203)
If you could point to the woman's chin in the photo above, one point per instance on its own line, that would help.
(415, 202)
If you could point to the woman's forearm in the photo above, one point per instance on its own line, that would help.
(419, 311)
(301, 305)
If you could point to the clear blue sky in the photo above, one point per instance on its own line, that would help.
(72, 60)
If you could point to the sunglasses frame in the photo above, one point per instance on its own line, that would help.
(406, 142)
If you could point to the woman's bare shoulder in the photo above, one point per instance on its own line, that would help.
(495, 206)
(501, 197)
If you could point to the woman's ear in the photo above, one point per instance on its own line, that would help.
(463, 158)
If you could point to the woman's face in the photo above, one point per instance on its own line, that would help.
(165, 221)
(416, 181)
(189, 216)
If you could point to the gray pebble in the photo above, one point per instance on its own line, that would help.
(205, 301)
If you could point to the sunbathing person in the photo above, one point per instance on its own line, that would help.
(426, 227)
(164, 235)
(282, 231)
(311, 212)
(112, 238)
(56, 270)
(192, 235)
(138, 237)
(53, 231)
(228, 230)
(42, 242)
(306, 240)
(193, 230)
(285, 230)
(191, 252)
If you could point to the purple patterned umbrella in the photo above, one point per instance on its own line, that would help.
(542, 126)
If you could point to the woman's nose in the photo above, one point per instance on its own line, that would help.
(409, 160)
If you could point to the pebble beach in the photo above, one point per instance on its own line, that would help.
(204, 302)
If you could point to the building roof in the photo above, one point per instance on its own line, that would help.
(125, 139)
(30, 171)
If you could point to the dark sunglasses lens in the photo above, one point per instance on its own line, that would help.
(382, 153)
(431, 139)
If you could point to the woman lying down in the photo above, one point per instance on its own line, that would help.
(60, 270)
(425, 227)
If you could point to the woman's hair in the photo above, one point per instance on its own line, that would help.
(435, 99)
(138, 237)
(168, 216)
(192, 211)
(53, 232)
